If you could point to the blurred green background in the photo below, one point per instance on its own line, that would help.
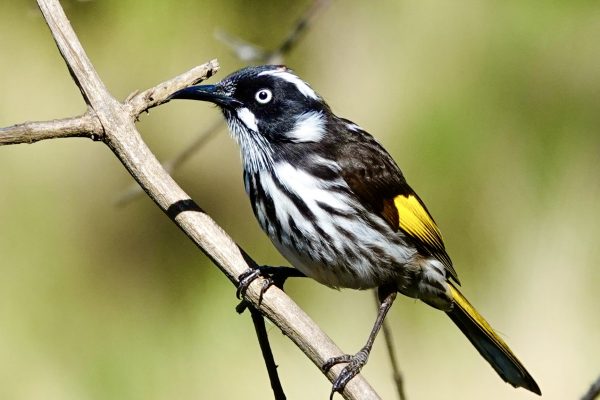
(492, 109)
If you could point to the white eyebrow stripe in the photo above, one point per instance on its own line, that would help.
(291, 78)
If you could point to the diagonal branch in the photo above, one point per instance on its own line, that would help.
(82, 71)
(121, 136)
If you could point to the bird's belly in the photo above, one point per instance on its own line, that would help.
(325, 232)
(357, 256)
(336, 275)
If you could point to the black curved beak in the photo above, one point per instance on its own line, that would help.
(211, 93)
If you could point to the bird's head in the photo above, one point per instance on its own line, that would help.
(265, 106)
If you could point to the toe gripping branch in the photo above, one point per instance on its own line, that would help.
(273, 276)
(354, 363)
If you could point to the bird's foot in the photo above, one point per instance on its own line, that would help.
(273, 276)
(354, 365)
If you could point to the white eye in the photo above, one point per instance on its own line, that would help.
(263, 96)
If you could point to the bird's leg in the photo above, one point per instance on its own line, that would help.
(274, 276)
(387, 295)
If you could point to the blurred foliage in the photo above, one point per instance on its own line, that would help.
(491, 109)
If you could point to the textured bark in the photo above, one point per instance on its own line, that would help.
(113, 123)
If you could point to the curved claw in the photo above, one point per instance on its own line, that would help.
(248, 276)
(245, 279)
(268, 282)
(346, 358)
(355, 364)
(274, 276)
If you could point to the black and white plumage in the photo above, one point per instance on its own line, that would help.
(337, 206)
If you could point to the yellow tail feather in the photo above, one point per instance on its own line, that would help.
(488, 343)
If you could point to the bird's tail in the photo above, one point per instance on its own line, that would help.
(489, 344)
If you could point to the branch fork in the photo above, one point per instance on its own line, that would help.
(113, 123)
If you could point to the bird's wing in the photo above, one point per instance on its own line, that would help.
(374, 177)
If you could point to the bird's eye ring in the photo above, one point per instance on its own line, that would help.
(263, 96)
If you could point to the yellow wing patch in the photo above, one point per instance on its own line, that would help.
(418, 224)
(416, 221)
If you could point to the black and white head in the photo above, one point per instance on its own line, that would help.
(265, 107)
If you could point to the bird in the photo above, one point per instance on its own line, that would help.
(336, 205)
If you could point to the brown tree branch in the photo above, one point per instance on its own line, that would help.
(86, 125)
(140, 102)
(119, 133)
(246, 52)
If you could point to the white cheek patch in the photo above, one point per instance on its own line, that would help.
(247, 118)
(309, 128)
(291, 78)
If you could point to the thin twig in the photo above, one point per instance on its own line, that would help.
(253, 53)
(299, 29)
(389, 344)
(86, 125)
(244, 51)
(143, 101)
(593, 392)
(267, 353)
(124, 140)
